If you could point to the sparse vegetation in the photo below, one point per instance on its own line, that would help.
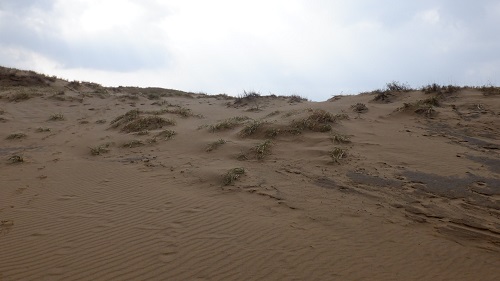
(296, 99)
(247, 97)
(318, 121)
(125, 118)
(395, 86)
(100, 121)
(227, 124)
(147, 123)
(490, 90)
(232, 175)
(133, 143)
(166, 134)
(17, 158)
(142, 133)
(42, 130)
(425, 108)
(214, 145)
(16, 136)
(274, 113)
(263, 149)
(359, 108)
(250, 128)
(339, 138)
(337, 154)
(20, 97)
(57, 117)
(439, 90)
(98, 150)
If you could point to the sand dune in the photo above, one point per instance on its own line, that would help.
(153, 184)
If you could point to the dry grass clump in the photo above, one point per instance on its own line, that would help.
(246, 98)
(214, 145)
(337, 154)
(359, 108)
(133, 143)
(166, 134)
(17, 158)
(440, 90)
(250, 128)
(142, 133)
(42, 130)
(20, 97)
(100, 121)
(147, 123)
(16, 136)
(98, 150)
(396, 86)
(296, 99)
(227, 123)
(263, 149)
(125, 118)
(339, 138)
(318, 121)
(422, 107)
(490, 90)
(232, 175)
(57, 117)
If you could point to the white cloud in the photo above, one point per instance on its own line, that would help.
(313, 48)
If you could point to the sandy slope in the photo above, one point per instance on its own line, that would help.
(415, 198)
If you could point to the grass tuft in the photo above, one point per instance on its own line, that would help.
(339, 138)
(337, 154)
(57, 117)
(147, 123)
(16, 159)
(133, 143)
(359, 108)
(263, 149)
(227, 124)
(42, 130)
(250, 128)
(232, 175)
(16, 136)
(166, 134)
(98, 150)
(214, 145)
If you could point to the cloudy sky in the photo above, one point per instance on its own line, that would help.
(313, 48)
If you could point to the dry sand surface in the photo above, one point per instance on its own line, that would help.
(153, 184)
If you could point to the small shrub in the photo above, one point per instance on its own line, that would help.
(247, 97)
(147, 123)
(337, 154)
(98, 150)
(395, 86)
(16, 136)
(339, 138)
(434, 101)
(57, 117)
(214, 145)
(227, 124)
(20, 97)
(263, 149)
(125, 118)
(42, 130)
(133, 143)
(318, 121)
(166, 134)
(232, 175)
(490, 90)
(359, 108)
(250, 128)
(16, 159)
(296, 99)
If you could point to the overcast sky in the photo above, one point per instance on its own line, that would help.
(313, 48)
